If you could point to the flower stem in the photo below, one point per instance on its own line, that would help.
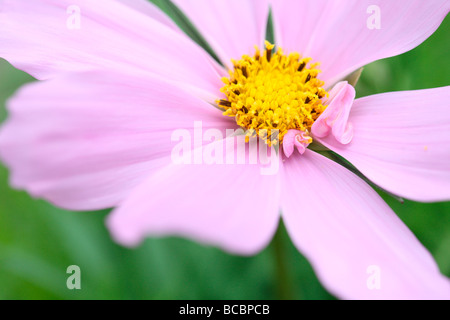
(283, 279)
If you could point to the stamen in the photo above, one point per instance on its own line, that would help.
(308, 78)
(301, 67)
(271, 93)
(244, 72)
(268, 55)
(225, 103)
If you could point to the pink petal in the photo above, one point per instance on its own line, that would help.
(402, 142)
(351, 236)
(231, 206)
(231, 27)
(335, 117)
(151, 10)
(36, 38)
(289, 143)
(297, 138)
(336, 33)
(84, 141)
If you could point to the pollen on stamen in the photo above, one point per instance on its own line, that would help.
(273, 92)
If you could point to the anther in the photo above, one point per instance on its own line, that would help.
(308, 78)
(225, 103)
(301, 67)
(244, 71)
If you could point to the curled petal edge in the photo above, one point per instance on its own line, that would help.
(334, 120)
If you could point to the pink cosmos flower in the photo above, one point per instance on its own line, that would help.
(97, 132)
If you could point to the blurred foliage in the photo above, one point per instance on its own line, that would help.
(38, 241)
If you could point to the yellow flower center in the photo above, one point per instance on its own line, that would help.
(269, 94)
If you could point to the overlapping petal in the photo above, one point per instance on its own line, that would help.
(340, 34)
(152, 11)
(84, 141)
(358, 247)
(36, 37)
(231, 27)
(402, 142)
(232, 206)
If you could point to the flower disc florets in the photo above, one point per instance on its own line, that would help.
(269, 94)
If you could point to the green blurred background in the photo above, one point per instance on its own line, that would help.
(38, 241)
